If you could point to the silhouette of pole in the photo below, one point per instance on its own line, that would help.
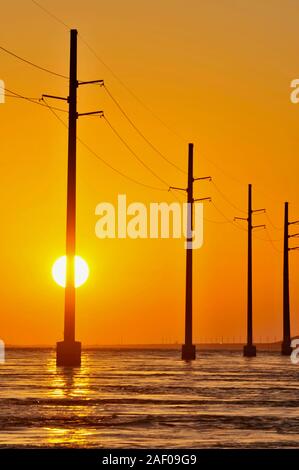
(69, 320)
(286, 349)
(249, 349)
(188, 349)
(69, 350)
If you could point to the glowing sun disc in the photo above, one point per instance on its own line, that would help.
(59, 271)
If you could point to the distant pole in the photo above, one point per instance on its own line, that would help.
(286, 349)
(249, 349)
(286, 341)
(69, 350)
(189, 349)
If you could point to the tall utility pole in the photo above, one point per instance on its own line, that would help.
(69, 350)
(189, 349)
(249, 349)
(286, 343)
(286, 349)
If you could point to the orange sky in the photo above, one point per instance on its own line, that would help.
(218, 73)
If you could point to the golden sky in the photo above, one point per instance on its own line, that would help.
(218, 72)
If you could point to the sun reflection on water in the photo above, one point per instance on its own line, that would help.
(68, 382)
(68, 437)
(69, 386)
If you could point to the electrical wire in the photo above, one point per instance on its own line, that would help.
(220, 222)
(7, 95)
(129, 178)
(134, 153)
(270, 240)
(95, 154)
(227, 199)
(145, 106)
(53, 110)
(32, 100)
(117, 78)
(33, 64)
(228, 219)
(275, 227)
(153, 147)
(51, 14)
(141, 102)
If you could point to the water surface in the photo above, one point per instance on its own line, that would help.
(149, 398)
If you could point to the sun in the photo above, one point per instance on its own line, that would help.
(59, 271)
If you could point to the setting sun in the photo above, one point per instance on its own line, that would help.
(59, 271)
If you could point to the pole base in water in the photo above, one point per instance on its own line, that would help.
(249, 350)
(68, 354)
(188, 352)
(286, 349)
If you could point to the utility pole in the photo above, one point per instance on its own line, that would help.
(286, 343)
(286, 348)
(189, 349)
(249, 349)
(68, 351)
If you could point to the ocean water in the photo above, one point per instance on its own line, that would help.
(149, 398)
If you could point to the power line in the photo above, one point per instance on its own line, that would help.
(270, 240)
(35, 101)
(153, 147)
(53, 109)
(145, 106)
(32, 100)
(7, 95)
(33, 64)
(51, 14)
(228, 219)
(227, 199)
(275, 227)
(220, 222)
(95, 154)
(57, 19)
(117, 78)
(135, 154)
(129, 178)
